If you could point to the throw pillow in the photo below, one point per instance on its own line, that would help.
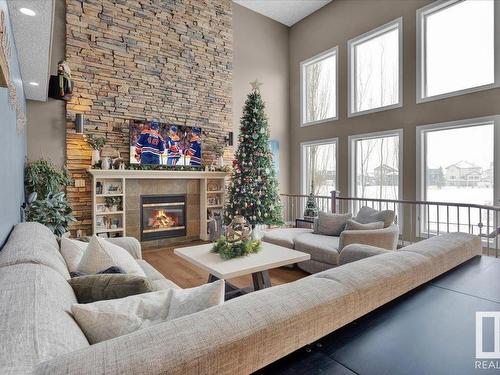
(94, 288)
(102, 254)
(104, 320)
(113, 269)
(354, 225)
(370, 215)
(331, 224)
(72, 252)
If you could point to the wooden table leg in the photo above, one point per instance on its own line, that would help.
(261, 280)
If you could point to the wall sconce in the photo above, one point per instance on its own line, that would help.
(79, 120)
(229, 139)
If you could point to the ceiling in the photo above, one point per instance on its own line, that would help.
(288, 12)
(33, 37)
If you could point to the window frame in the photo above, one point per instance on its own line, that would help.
(421, 151)
(421, 52)
(334, 51)
(351, 67)
(319, 142)
(352, 158)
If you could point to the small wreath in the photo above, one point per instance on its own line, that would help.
(229, 250)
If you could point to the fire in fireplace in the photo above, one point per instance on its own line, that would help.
(162, 216)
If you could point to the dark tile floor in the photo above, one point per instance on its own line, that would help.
(430, 330)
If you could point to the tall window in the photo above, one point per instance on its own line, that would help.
(319, 167)
(375, 70)
(376, 165)
(455, 48)
(457, 164)
(319, 88)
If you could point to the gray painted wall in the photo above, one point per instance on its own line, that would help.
(47, 120)
(333, 25)
(12, 150)
(260, 50)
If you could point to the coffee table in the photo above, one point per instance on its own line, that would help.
(258, 264)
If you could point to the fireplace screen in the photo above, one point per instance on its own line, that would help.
(163, 216)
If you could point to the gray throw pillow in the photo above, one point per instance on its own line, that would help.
(92, 288)
(370, 215)
(354, 225)
(331, 224)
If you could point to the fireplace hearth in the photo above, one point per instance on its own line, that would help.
(163, 216)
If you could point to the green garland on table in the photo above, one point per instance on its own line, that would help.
(228, 250)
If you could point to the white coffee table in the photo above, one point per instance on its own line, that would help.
(258, 265)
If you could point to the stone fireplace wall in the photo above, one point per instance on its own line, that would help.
(144, 59)
(135, 188)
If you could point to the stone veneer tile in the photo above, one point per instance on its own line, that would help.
(119, 74)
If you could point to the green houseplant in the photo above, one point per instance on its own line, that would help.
(97, 143)
(52, 211)
(42, 177)
(47, 203)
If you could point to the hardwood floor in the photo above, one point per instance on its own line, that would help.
(187, 275)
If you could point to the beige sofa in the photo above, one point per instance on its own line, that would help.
(325, 250)
(40, 336)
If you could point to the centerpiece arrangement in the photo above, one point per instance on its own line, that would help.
(237, 242)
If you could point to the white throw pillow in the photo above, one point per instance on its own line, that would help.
(102, 254)
(354, 225)
(72, 252)
(104, 320)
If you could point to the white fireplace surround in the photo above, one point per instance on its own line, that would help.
(202, 176)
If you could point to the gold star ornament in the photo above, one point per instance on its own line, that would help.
(256, 85)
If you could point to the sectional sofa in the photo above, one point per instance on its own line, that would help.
(40, 336)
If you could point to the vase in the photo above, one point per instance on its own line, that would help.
(220, 161)
(96, 157)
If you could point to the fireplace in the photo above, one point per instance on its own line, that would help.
(163, 216)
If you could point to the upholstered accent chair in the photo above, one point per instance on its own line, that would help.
(326, 250)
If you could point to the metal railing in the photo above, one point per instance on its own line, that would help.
(417, 220)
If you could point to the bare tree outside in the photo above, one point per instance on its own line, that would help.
(320, 89)
(377, 167)
(321, 168)
(376, 71)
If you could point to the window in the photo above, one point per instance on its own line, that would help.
(319, 167)
(455, 48)
(319, 88)
(375, 70)
(375, 165)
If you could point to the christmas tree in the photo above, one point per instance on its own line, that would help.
(311, 210)
(253, 191)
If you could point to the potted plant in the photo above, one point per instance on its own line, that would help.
(52, 211)
(97, 143)
(43, 177)
(218, 151)
(47, 203)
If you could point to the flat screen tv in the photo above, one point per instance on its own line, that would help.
(153, 142)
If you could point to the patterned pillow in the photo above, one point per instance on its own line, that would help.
(104, 320)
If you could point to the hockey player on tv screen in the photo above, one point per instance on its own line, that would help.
(150, 145)
(194, 150)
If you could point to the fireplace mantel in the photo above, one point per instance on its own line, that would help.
(104, 177)
(150, 174)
